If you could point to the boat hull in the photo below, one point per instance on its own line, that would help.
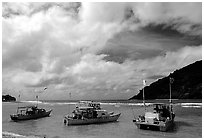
(161, 126)
(19, 117)
(71, 121)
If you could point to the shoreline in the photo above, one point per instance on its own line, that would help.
(11, 135)
(14, 135)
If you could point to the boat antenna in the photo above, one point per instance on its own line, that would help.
(133, 113)
(171, 80)
(69, 100)
(70, 95)
(18, 101)
(144, 84)
(37, 100)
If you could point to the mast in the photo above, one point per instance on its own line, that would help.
(170, 91)
(37, 100)
(18, 101)
(171, 80)
(144, 84)
(69, 101)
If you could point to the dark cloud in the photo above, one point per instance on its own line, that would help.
(148, 42)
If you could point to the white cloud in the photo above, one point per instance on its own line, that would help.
(93, 74)
(54, 44)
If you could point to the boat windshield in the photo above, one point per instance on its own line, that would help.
(162, 109)
(95, 105)
(26, 109)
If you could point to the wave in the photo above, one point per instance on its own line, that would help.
(102, 103)
(49, 103)
(12, 135)
(192, 105)
(116, 104)
(6, 134)
(64, 103)
(33, 102)
(196, 105)
(127, 104)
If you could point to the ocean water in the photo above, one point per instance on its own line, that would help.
(188, 121)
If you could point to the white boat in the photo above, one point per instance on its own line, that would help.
(162, 118)
(90, 114)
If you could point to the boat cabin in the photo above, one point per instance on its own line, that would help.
(88, 112)
(29, 110)
(95, 105)
(160, 113)
(163, 109)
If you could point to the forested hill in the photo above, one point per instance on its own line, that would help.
(8, 98)
(187, 84)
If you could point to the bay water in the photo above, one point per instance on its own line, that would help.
(188, 121)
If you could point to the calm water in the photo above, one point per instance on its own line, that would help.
(188, 121)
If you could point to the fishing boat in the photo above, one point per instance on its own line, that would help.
(29, 112)
(90, 113)
(161, 118)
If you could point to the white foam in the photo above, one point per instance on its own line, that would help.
(127, 104)
(33, 102)
(117, 104)
(65, 103)
(50, 103)
(9, 134)
(192, 106)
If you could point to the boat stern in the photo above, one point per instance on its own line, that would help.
(67, 119)
(14, 117)
(49, 112)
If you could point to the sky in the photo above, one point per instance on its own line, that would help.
(95, 51)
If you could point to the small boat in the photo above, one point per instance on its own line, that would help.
(162, 118)
(91, 113)
(29, 112)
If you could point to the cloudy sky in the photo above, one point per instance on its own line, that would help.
(95, 50)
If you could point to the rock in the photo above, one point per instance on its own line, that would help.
(8, 98)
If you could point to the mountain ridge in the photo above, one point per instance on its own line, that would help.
(187, 84)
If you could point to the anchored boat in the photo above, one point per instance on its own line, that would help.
(161, 118)
(29, 112)
(91, 113)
